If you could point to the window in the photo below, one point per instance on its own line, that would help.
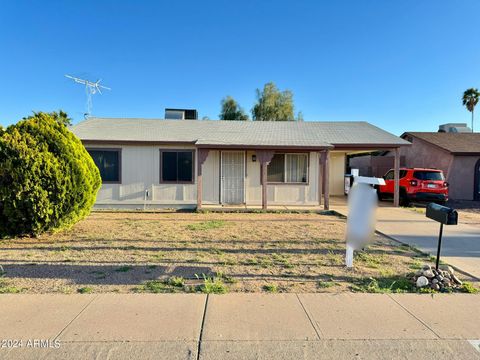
(288, 168)
(391, 175)
(428, 175)
(176, 166)
(108, 162)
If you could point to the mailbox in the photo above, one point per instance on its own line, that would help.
(442, 214)
(445, 216)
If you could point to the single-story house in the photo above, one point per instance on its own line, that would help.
(457, 154)
(190, 163)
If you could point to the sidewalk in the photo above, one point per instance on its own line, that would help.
(460, 244)
(243, 326)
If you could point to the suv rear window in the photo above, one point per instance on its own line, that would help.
(428, 175)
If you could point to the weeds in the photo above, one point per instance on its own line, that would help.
(326, 284)
(6, 289)
(370, 260)
(176, 281)
(415, 265)
(271, 288)
(155, 286)
(469, 288)
(395, 284)
(206, 225)
(213, 285)
(85, 290)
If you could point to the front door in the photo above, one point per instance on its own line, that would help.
(232, 175)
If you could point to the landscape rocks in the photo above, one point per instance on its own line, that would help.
(422, 281)
(443, 279)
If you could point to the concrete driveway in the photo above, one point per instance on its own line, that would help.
(460, 244)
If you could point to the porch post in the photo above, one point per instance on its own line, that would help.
(320, 176)
(396, 174)
(264, 157)
(326, 178)
(201, 157)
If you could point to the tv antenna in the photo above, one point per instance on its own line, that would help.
(91, 88)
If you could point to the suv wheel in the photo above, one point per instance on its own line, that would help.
(404, 201)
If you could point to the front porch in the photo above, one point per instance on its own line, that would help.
(240, 179)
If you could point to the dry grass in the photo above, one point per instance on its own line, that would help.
(125, 252)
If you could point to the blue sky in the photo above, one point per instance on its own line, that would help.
(401, 65)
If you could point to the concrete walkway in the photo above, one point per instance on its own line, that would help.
(460, 244)
(242, 326)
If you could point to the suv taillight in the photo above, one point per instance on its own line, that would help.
(413, 182)
(445, 184)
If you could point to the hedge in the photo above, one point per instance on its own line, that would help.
(48, 181)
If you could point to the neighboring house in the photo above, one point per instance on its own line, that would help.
(456, 153)
(187, 163)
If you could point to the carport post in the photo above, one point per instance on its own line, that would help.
(396, 174)
(201, 157)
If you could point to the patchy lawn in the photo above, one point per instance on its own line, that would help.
(212, 253)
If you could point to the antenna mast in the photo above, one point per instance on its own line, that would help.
(91, 88)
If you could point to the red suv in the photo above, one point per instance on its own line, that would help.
(416, 184)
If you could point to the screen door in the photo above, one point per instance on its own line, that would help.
(232, 177)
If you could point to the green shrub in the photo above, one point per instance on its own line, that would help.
(48, 181)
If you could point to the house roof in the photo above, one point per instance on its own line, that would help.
(217, 133)
(455, 143)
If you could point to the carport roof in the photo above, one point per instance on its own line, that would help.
(221, 133)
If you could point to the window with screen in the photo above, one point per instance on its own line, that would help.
(288, 168)
(108, 163)
(176, 166)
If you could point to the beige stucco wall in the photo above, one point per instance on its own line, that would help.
(140, 170)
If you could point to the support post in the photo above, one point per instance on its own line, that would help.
(202, 155)
(326, 178)
(396, 176)
(320, 178)
(264, 157)
(439, 245)
(264, 185)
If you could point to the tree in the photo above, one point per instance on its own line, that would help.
(60, 117)
(231, 110)
(273, 104)
(470, 100)
(48, 181)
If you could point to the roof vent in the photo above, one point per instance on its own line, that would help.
(181, 114)
(454, 128)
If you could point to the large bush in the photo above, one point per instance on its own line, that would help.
(48, 181)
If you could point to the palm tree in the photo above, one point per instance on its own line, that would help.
(470, 100)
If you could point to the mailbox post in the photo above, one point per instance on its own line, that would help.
(445, 216)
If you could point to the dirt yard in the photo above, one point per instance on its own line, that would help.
(213, 252)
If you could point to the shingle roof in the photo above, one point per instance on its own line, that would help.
(456, 143)
(235, 133)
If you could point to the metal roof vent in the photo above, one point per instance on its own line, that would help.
(454, 128)
(181, 114)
